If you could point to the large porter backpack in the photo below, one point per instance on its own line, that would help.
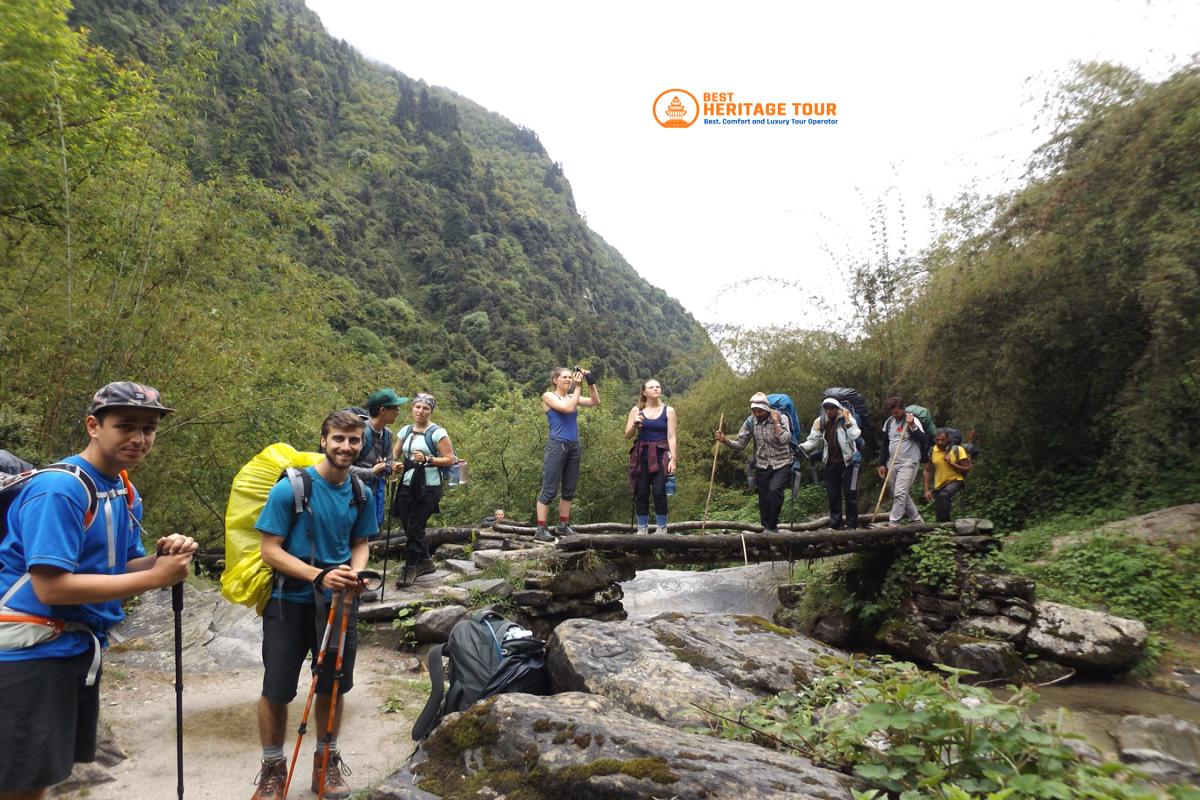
(488, 655)
(853, 400)
(922, 413)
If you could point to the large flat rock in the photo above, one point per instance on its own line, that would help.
(582, 747)
(1087, 640)
(664, 667)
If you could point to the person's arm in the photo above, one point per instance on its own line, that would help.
(780, 428)
(563, 405)
(927, 474)
(815, 438)
(593, 398)
(917, 432)
(740, 441)
(671, 425)
(852, 429)
(963, 466)
(175, 544)
(631, 426)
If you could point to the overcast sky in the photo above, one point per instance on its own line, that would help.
(933, 100)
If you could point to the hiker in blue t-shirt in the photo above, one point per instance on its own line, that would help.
(65, 567)
(316, 556)
(562, 457)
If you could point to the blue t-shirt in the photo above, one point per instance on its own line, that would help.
(45, 527)
(332, 515)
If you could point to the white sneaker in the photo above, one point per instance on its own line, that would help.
(643, 530)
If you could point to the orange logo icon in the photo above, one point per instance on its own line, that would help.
(676, 108)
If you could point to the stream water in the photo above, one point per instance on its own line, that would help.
(1089, 708)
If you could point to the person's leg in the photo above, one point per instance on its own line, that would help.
(904, 481)
(335, 783)
(424, 508)
(49, 721)
(777, 483)
(553, 459)
(943, 498)
(849, 488)
(570, 481)
(833, 491)
(762, 482)
(659, 488)
(641, 497)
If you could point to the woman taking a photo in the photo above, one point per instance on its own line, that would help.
(561, 460)
(652, 458)
(425, 450)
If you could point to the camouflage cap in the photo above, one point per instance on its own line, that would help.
(126, 394)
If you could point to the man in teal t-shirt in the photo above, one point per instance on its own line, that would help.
(316, 555)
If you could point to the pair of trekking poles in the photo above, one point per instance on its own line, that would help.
(368, 578)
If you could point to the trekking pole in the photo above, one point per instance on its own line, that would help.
(177, 608)
(337, 679)
(388, 497)
(312, 689)
(882, 489)
(713, 477)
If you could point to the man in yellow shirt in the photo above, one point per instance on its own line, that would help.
(947, 466)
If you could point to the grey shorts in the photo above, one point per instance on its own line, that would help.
(561, 463)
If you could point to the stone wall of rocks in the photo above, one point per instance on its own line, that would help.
(995, 626)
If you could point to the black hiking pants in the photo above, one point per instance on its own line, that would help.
(943, 497)
(413, 507)
(648, 484)
(841, 481)
(770, 484)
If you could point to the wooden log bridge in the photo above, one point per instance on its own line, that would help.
(752, 546)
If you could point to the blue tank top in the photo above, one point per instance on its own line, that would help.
(655, 430)
(563, 427)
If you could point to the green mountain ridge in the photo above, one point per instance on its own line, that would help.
(455, 223)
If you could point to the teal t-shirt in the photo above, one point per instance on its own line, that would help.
(415, 443)
(333, 518)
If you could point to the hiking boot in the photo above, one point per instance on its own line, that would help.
(643, 530)
(543, 535)
(564, 529)
(270, 780)
(336, 787)
(423, 567)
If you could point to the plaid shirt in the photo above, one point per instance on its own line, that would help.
(772, 443)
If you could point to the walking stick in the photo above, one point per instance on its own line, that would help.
(337, 679)
(389, 495)
(177, 607)
(882, 489)
(312, 689)
(713, 477)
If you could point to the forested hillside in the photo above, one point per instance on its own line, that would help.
(458, 225)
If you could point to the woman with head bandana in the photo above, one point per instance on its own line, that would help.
(424, 448)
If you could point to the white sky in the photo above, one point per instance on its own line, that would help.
(933, 99)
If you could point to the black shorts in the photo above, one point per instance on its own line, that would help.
(49, 720)
(291, 632)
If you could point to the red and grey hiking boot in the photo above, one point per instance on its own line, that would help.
(270, 780)
(336, 787)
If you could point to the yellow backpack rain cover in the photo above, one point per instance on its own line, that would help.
(247, 578)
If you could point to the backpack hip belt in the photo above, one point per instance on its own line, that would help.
(19, 630)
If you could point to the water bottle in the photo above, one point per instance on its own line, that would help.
(670, 486)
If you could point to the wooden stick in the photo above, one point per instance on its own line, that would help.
(713, 477)
(882, 489)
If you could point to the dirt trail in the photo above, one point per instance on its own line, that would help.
(221, 749)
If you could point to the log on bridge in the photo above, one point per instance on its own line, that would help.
(784, 545)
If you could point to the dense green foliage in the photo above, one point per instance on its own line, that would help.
(911, 734)
(227, 204)
(461, 232)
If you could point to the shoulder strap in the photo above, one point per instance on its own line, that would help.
(429, 437)
(301, 483)
(360, 492)
(433, 707)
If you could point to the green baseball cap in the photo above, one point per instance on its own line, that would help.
(384, 398)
